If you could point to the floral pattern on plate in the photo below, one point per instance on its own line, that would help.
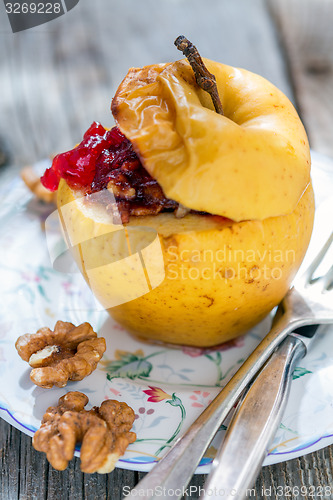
(167, 388)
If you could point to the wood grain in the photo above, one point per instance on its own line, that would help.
(306, 34)
(57, 78)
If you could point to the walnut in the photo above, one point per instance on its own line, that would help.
(67, 353)
(104, 433)
(181, 211)
(123, 190)
(32, 180)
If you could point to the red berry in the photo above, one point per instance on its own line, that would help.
(89, 165)
(50, 179)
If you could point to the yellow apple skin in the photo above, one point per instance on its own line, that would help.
(203, 279)
(221, 277)
(251, 163)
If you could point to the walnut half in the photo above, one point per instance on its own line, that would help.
(104, 433)
(32, 180)
(67, 353)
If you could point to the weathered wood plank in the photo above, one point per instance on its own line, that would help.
(307, 36)
(10, 451)
(25, 474)
(56, 79)
(303, 478)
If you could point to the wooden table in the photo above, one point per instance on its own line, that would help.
(57, 78)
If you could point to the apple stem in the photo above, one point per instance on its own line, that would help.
(203, 77)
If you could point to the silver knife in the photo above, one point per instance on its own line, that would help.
(255, 422)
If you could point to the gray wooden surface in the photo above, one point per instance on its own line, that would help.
(57, 78)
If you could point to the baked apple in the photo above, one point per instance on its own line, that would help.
(189, 225)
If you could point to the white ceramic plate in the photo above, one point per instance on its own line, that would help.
(167, 388)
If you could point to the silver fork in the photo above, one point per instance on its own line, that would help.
(261, 408)
(310, 302)
(256, 420)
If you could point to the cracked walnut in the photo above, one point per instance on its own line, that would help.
(104, 433)
(67, 353)
(33, 182)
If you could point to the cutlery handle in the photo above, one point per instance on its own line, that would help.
(175, 470)
(254, 425)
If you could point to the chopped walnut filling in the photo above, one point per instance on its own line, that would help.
(104, 433)
(105, 162)
(134, 193)
(67, 353)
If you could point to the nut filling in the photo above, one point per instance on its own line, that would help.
(67, 353)
(104, 433)
(105, 166)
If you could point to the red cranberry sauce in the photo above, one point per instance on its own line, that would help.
(106, 159)
(88, 165)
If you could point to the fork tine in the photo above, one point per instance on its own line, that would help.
(306, 277)
(328, 280)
